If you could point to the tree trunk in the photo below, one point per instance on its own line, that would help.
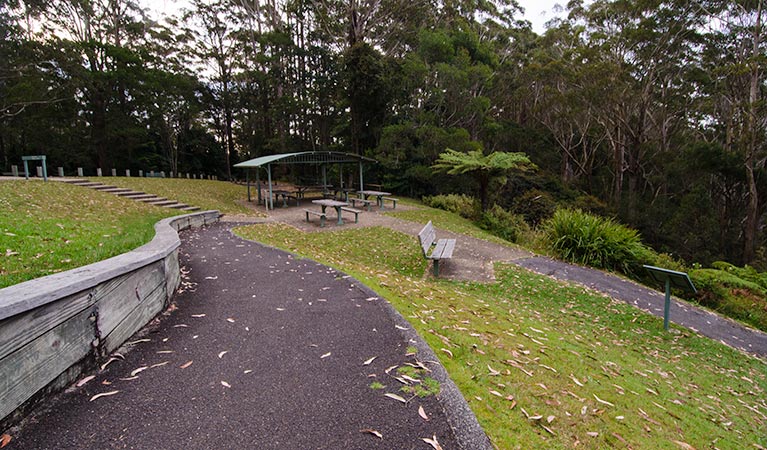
(752, 206)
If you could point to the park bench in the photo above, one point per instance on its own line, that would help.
(365, 203)
(352, 210)
(443, 248)
(316, 213)
(393, 200)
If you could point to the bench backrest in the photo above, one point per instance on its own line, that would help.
(426, 236)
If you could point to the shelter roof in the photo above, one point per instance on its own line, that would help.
(304, 158)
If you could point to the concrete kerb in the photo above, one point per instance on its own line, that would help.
(32, 294)
(468, 432)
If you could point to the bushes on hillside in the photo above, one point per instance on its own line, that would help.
(463, 205)
(504, 224)
(582, 238)
(740, 293)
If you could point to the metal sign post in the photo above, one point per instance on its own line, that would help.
(670, 278)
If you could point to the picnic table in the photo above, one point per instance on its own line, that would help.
(302, 190)
(379, 195)
(285, 195)
(324, 203)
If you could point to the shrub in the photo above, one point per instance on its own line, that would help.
(726, 292)
(504, 224)
(535, 206)
(594, 241)
(463, 205)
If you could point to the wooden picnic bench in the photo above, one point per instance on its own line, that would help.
(364, 202)
(352, 210)
(393, 200)
(443, 248)
(316, 213)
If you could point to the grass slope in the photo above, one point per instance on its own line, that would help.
(206, 194)
(549, 365)
(51, 227)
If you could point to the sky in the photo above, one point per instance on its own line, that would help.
(538, 12)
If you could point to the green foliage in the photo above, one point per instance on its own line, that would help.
(454, 162)
(460, 204)
(594, 241)
(535, 206)
(504, 224)
(725, 291)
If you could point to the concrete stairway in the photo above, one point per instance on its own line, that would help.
(133, 195)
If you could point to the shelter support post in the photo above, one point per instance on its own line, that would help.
(667, 304)
(247, 182)
(258, 185)
(270, 201)
(362, 187)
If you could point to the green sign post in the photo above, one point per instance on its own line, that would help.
(670, 278)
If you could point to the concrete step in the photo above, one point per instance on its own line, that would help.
(116, 190)
(141, 197)
(93, 184)
(131, 194)
(164, 203)
(77, 181)
(102, 187)
(177, 206)
(191, 208)
(153, 199)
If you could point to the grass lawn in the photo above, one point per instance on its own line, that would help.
(545, 364)
(51, 227)
(206, 194)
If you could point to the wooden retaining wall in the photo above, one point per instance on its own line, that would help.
(53, 328)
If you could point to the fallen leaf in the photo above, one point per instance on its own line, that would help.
(396, 397)
(103, 394)
(325, 355)
(85, 380)
(367, 362)
(422, 413)
(181, 325)
(496, 393)
(128, 378)
(185, 365)
(225, 384)
(230, 320)
(433, 442)
(197, 316)
(373, 432)
(592, 433)
(603, 401)
(280, 309)
(493, 372)
(550, 419)
(399, 327)
(164, 352)
(389, 369)
(448, 352)
(138, 371)
(684, 445)
(158, 364)
(138, 341)
(212, 278)
(247, 371)
(5, 439)
(221, 355)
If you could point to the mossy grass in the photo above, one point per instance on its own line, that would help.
(545, 364)
(207, 194)
(51, 227)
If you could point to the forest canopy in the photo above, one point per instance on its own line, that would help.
(650, 111)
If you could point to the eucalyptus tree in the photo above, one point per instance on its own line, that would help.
(213, 27)
(734, 114)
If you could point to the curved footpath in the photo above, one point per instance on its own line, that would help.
(261, 350)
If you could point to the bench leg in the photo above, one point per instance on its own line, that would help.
(394, 204)
(436, 268)
(322, 221)
(307, 216)
(356, 217)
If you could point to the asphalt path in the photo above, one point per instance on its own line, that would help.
(260, 350)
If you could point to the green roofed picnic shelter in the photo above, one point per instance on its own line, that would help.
(320, 158)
